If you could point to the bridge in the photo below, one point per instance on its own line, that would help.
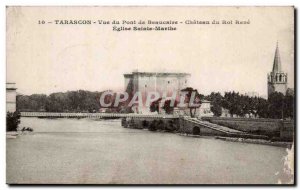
(95, 115)
(183, 124)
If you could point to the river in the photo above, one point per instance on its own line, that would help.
(103, 152)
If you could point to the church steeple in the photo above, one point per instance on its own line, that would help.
(277, 61)
(277, 79)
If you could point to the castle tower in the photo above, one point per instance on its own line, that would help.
(277, 79)
(146, 82)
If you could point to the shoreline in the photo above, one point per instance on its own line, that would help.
(15, 134)
(283, 144)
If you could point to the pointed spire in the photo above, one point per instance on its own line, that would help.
(277, 61)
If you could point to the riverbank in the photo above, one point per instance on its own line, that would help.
(244, 140)
(240, 139)
(273, 128)
(15, 134)
(11, 134)
(258, 141)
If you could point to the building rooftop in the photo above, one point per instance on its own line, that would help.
(156, 74)
(277, 61)
(10, 86)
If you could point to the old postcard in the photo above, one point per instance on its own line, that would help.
(150, 95)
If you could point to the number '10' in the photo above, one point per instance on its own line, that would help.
(41, 22)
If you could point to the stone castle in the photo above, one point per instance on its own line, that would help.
(146, 82)
(168, 83)
(155, 82)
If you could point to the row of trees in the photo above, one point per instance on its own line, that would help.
(277, 106)
(71, 101)
(85, 101)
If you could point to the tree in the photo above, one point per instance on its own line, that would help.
(71, 101)
(216, 109)
(253, 105)
(236, 104)
(276, 105)
(216, 103)
(231, 103)
(154, 106)
(168, 107)
(262, 108)
(192, 104)
(12, 121)
(288, 106)
(56, 102)
(34, 102)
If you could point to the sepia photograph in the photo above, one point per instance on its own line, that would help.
(150, 95)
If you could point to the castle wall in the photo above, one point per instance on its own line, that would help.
(163, 83)
(10, 107)
(146, 122)
(11, 96)
(270, 127)
(188, 127)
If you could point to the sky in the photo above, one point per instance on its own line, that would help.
(46, 58)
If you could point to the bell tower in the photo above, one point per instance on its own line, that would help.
(277, 79)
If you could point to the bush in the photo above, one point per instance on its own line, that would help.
(145, 124)
(170, 127)
(153, 126)
(12, 121)
(160, 125)
(27, 129)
